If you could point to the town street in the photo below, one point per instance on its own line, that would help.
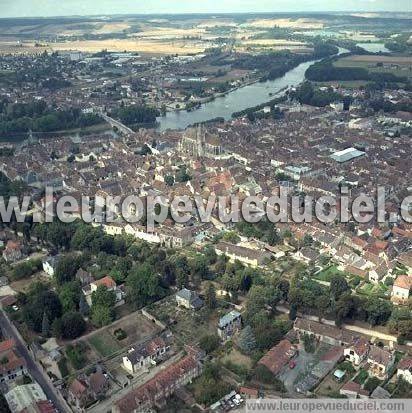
(33, 367)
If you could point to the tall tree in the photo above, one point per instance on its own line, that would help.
(246, 340)
(83, 306)
(45, 326)
(210, 296)
(338, 286)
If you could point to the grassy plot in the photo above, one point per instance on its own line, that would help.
(104, 343)
(327, 273)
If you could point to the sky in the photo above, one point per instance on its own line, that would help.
(46, 8)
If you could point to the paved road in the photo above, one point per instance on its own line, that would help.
(106, 405)
(33, 367)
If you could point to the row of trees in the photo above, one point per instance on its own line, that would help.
(38, 117)
(325, 71)
(135, 114)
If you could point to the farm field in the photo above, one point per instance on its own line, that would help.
(398, 65)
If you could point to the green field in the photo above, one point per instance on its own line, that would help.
(327, 273)
(104, 343)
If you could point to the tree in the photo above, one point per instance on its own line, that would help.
(45, 326)
(4, 407)
(209, 343)
(293, 312)
(378, 311)
(264, 375)
(40, 300)
(69, 295)
(101, 315)
(83, 306)
(103, 296)
(182, 271)
(371, 384)
(338, 286)
(73, 325)
(143, 286)
(210, 297)
(246, 340)
(309, 343)
(323, 305)
(199, 267)
(66, 269)
(169, 180)
(231, 236)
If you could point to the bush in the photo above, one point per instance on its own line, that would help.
(120, 334)
(372, 384)
(25, 269)
(209, 343)
(72, 325)
(76, 356)
(62, 364)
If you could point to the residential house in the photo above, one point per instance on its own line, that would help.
(405, 370)
(50, 265)
(405, 259)
(323, 332)
(353, 390)
(248, 392)
(107, 282)
(380, 393)
(77, 393)
(378, 273)
(145, 355)
(278, 356)
(248, 256)
(229, 325)
(12, 365)
(188, 299)
(155, 392)
(380, 361)
(84, 277)
(13, 251)
(24, 398)
(401, 289)
(84, 389)
(357, 352)
(307, 255)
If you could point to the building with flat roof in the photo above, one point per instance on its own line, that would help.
(21, 397)
(347, 155)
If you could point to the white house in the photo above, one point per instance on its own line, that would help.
(357, 352)
(144, 355)
(50, 265)
(401, 289)
(380, 361)
(405, 370)
(188, 299)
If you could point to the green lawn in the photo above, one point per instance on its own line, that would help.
(104, 344)
(380, 289)
(327, 273)
(361, 376)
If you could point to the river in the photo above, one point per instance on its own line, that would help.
(240, 99)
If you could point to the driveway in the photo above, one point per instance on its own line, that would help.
(304, 362)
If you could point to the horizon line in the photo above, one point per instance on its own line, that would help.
(209, 13)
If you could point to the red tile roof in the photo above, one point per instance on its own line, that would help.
(149, 391)
(7, 345)
(107, 281)
(77, 388)
(403, 281)
(405, 364)
(277, 357)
